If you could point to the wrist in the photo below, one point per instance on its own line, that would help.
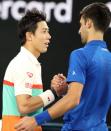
(54, 93)
(42, 118)
(34, 122)
(47, 97)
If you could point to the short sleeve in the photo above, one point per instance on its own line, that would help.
(77, 67)
(23, 81)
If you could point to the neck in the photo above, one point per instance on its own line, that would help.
(35, 53)
(95, 36)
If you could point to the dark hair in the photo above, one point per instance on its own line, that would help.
(99, 13)
(28, 23)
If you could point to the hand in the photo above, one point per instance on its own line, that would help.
(58, 83)
(26, 124)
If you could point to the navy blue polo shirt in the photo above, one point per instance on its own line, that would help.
(90, 66)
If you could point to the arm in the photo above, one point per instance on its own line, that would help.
(23, 85)
(71, 99)
(76, 72)
(27, 104)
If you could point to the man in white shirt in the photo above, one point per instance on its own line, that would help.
(22, 85)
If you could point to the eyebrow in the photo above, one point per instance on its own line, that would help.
(45, 28)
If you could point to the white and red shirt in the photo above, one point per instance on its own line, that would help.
(22, 76)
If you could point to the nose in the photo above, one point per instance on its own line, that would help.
(49, 36)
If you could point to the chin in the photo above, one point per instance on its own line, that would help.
(44, 51)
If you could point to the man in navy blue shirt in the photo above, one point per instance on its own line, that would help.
(88, 96)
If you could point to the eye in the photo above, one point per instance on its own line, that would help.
(45, 31)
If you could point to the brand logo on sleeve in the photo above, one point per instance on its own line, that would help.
(30, 74)
(48, 98)
(73, 73)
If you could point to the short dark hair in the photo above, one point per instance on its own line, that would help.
(99, 13)
(28, 23)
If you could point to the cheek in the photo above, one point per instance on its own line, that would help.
(41, 38)
(81, 32)
(84, 30)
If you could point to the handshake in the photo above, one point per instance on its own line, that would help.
(58, 88)
(59, 85)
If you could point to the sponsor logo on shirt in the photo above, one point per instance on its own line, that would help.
(29, 74)
(48, 98)
(28, 85)
(73, 73)
(104, 49)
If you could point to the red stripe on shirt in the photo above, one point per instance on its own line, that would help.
(37, 86)
(8, 83)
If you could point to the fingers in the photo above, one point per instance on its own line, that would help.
(19, 127)
(55, 81)
(61, 76)
(58, 80)
(58, 83)
(26, 124)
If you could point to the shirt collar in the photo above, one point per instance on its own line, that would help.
(30, 55)
(96, 43)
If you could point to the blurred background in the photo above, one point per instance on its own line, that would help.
(63, 20)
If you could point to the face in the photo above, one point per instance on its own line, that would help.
(83, 31)
(40, 39)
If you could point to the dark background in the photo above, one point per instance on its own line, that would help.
(65, 38)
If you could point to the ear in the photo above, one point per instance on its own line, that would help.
(89, 23)
(28, 36)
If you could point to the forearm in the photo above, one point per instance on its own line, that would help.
(56, 110)
(31, 104)
(27, 103)
(62, 106)
(68, 102)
